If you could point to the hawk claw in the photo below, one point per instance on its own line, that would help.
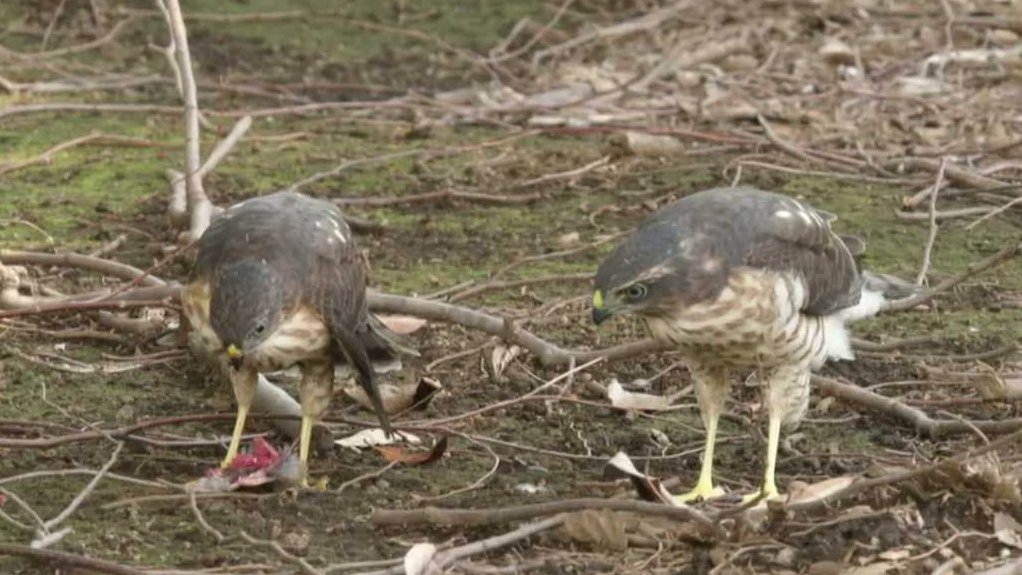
(700, 493)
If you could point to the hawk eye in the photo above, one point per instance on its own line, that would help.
(636, 291)
(260, 329)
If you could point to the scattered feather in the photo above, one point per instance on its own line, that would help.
(419, 560)
(376, 437)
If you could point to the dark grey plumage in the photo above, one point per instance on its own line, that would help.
(279, 281)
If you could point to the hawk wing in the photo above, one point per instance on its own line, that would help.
(794, 237)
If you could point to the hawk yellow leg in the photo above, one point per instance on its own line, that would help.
(244, 383)
(711, 391)
(769, 487)
(314, 395)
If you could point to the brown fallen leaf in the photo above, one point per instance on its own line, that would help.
(398, 454)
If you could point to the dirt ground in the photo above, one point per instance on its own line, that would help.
(545, 184)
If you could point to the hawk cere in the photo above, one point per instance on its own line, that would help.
(743, 280)
(279, 281)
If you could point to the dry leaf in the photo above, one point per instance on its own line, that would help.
(835, 52)
(394, 453)
(643, 144)
(816, 491)
(600, 528)
(501, 357)
(568, 240)
(398, 397)
(402, 324)
(374, 438)
(649, 488)
(1007, 530)
(419, 560)
(621, 398)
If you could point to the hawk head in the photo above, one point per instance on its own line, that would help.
(662, 265)
(247, 306)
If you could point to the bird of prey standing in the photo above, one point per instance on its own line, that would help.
(741, 280)
(278, 281)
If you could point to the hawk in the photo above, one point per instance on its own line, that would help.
(741, 280)
(279, 281)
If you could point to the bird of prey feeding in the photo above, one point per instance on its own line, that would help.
(278, 281)
(741, 280)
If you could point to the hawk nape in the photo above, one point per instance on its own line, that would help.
(740, 279)
(278, 281)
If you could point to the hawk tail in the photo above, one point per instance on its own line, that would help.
(890, 286)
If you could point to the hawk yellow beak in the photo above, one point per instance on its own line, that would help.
(600, 313)
(233, 352)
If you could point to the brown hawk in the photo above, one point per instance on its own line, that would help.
(743, 280)
(278, 281)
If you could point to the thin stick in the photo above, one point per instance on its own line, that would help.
(925, 267)
(224, 147)
(217, 535)
(1000, 257)
(84, 494)
(446, 558)
(67, 560)
(902, 476)
(995, 212)
(199, 205)
(282, 553)
(478, 517)
(103, 266)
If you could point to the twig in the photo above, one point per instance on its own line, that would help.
(441, 196)
(67, 560)
(199, 205)
(953, 172)
(995, 212)
(908, 474)
(85, 492)
(225, 146)
(916, 417)
(945, 215)
(510, 284)
(647, 21)
(427, 152)
(548, 354)
(478, 517)
(497, 59)
(77, 49)
(364, 476)
(446, 558)
(103, 139)
(998, 258)
(282, 553)
(925, 267)
(217, 535)
(107, 267)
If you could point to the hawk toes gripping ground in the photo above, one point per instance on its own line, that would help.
(278, 281)
(740, 279)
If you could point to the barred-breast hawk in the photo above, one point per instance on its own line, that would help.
(743, 280)
(279, 281)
